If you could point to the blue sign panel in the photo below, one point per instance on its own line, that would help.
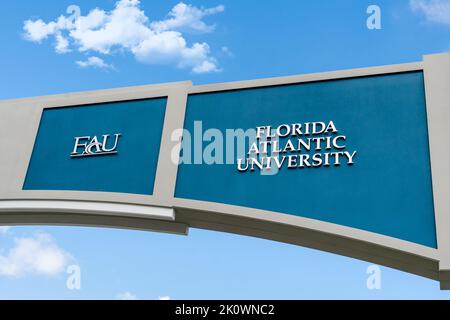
(363, 160)
(110, 147)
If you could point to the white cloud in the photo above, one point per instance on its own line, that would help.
(131, 296)
(205, 67)
(36, 255)
(95, 62)
(4, 229)
(226, 51)
(39, 30)
(126, 296)
(184, 17)
(62, 44)
(437, 11)
(126, 28)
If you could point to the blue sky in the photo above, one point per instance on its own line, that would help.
(232, 40)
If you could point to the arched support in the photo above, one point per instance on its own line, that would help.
(388, 205)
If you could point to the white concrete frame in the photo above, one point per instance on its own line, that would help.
(19, 121)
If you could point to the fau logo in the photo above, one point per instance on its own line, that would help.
(87, 146)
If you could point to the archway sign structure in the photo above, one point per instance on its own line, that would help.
(351, 162)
